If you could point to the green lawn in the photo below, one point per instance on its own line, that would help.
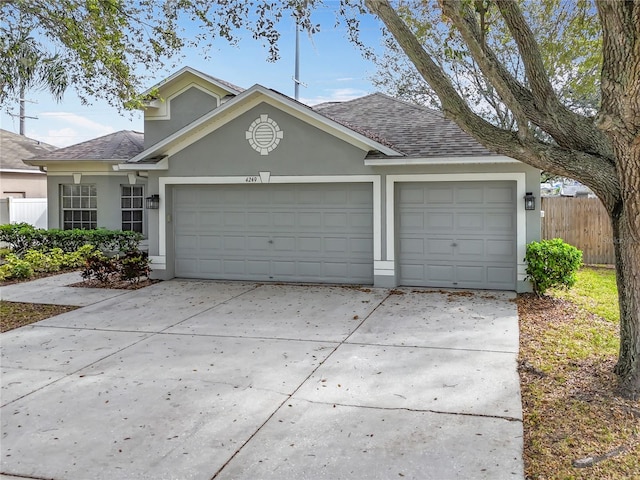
(569, 344)
(595, 291)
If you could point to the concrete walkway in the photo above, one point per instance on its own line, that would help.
(230, 380)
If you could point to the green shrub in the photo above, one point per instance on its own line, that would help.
(78, 258)
(552, 263)
(35, 261)
(44, 262)
(15, 268)
(100, 267)
(23, 237)
(134, 265)
(130, 267)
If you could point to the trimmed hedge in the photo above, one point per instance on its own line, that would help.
(37, 261)
(552, 263)
(24, 237)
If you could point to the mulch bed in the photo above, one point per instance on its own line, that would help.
(116, 284)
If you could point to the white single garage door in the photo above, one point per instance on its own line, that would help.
(276, 232)
(459, 235)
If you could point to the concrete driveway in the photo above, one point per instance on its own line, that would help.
(228, 380)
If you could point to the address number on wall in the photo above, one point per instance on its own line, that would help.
(252, 179)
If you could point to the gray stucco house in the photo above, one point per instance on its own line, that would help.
(252, 185)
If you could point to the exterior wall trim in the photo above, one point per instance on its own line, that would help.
(521, 218)
(160, 261)
(399, 161)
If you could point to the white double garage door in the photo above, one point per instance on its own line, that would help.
(446, 234)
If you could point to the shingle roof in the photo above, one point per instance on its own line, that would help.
(14, 148)
(414, 130)
(121, 145)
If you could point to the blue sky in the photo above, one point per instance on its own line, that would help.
(330, 66)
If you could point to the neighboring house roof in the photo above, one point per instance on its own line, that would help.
(415, 130)
(14, 148)
(118, 146)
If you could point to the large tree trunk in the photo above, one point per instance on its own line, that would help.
(619, 118)
(625, 219)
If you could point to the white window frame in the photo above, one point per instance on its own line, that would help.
(85, 201)
(131, 208)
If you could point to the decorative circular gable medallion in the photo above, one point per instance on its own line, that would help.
(264, 135)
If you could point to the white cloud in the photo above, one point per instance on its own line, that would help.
(335, 95)
(64, 128)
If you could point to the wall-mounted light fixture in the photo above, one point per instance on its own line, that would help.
(529, 201)
(153, 202)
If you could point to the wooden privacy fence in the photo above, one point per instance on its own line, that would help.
(581, 222)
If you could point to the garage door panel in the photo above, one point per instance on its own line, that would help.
(309, 244)
(186, 220)
(500, 222)
(336, 220)
(439, 195)
(412, 195)
(257, 243)
(258, 219)
(361, 246)
(206, 219)
(439, 222)
(314, 233)
(413, 221)
(283, 268)
(336, 245)
(469, 247)
(501, 248)
(310, 219)
(210, 266)
(440, 273)
(468, 239)
(257, 267)
(209, 242)
(282, 219)
(412, 246)
(437, 247)
(472, 195)
(336, 270)
(500, 275)
(473, 221)
(361, 222)
(470, 273)
(500, 195)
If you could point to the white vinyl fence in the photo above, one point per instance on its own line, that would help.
(28, 210)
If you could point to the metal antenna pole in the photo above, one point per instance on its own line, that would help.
(296, 77)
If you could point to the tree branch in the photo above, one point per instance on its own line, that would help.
(530, 53)
(508, 88)
(568, 129)
(594, 170)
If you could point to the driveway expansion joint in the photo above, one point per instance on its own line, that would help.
(289, 397)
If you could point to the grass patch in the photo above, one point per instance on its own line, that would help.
(568, 347)
(18, 314)
(595, 291)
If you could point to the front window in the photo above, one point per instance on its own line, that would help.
(79, 207)
(131, 203)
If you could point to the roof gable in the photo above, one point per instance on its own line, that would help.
(244, 102)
